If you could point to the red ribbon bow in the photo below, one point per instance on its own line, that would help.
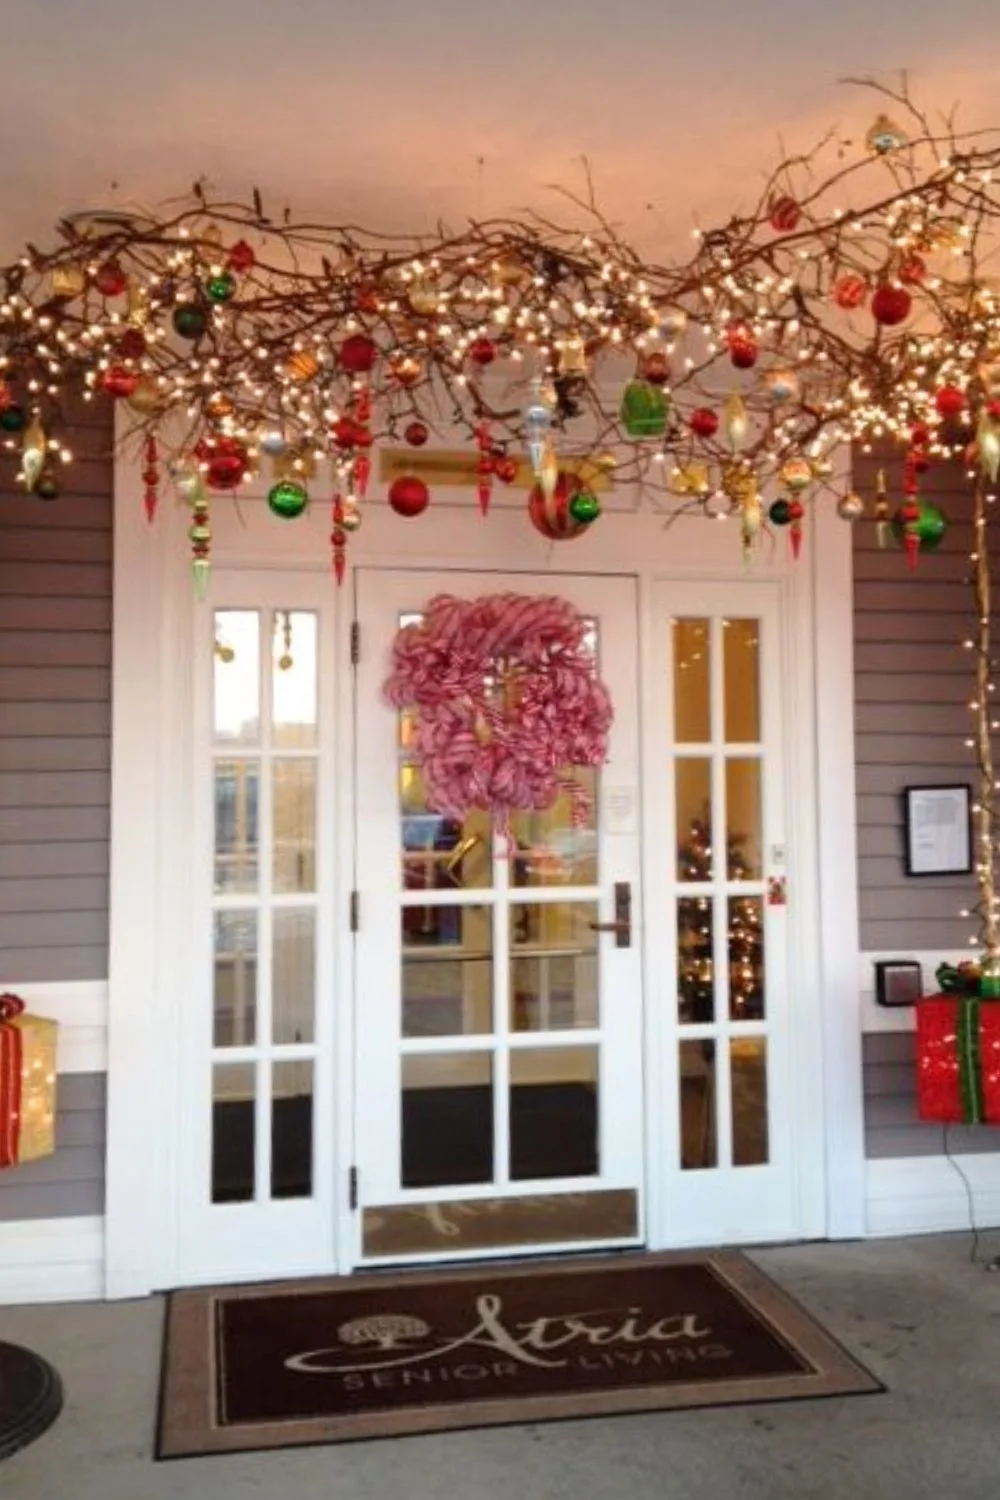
(10, 1007)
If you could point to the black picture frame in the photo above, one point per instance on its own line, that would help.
(937, 821)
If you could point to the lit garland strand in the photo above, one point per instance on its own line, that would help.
(985, 805)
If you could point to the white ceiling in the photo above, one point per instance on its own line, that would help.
(394, 115)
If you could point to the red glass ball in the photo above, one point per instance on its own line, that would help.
(656, 368)
(784, 214)
(110, 279)
(891, 304)
(408, 496)
(703, 422)
(366, 298)
(912, 270)
(850, 292)
(227, 461)
(506, 469)
(416, 434)
(118, 380)
(950, 401)
(241, 257)
(552, 514)
(132, 344)
(482, 351)
(358, 354)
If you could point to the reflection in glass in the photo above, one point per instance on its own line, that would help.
(439, 853)
(534, 1218)
(554, 1112)
(748, 1075)
(554, 976)
(294, 680)
(235, 979)
(743, 819)
(695, 960)
(693, 791)
(234, 1088)
(237, 840)
(292, 1129)
(699, 1142)
(551, 850)
(746, 958)
(692, 681)
(444, 995)
(740, 655)
(236, 677)
(447, 1118)
(293, 974)
(294, 814)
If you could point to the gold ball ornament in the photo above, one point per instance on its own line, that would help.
(302, 366)
(796, 474)
(739, 482)
(148, 396)
(350, 517)
(68, 281)
(509, 270)
(423, 298)
(218, 406)
(850, 507)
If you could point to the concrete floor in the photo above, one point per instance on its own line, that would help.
(917, 1312)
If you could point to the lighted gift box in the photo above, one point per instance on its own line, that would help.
(27, 1084)
(958, 1060)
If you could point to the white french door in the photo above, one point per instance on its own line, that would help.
(498, 1007)
(255, 1148)
(718, 955)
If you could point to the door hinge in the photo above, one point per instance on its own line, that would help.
(355, 642)
(352, 1187)
(355, 912)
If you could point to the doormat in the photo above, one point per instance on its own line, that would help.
(393, 1354)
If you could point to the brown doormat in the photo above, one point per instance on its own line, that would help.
(394, 1353)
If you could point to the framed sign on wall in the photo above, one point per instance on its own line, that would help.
(938, 830)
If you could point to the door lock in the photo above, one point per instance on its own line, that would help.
(622, 924)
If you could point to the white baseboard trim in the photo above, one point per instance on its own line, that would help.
(52, 1260)
(926, 1195)
(81, 1008)
(875, 1017)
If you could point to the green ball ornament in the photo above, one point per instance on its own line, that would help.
(190, 320)
(221, 288)
(929, 527)
(585, 507)
(288, 499)
(13, 418)
(780, 513)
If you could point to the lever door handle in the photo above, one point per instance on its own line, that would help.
(622, 924)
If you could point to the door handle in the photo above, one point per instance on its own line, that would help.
(622, 924)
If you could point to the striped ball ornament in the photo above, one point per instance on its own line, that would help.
(552, 515)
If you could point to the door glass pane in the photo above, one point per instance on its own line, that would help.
(292, 1129)
(699, 1146)
(746, 958)
(236, 677)
(235, 987)
(740, 652)
(554, 1099)
(234, 1089)
(447, 981)
(294, 812)
(748, 1076)
(237, 839)
(294, 680)
(447, 1118)
(439, 853)
(293, 974)
(693, 791)
(743, 819)
(552, 849)
(695, 961)
(554, 968)
(692, 681)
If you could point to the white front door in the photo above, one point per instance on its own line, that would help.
(498, 1028)
(732, 1123)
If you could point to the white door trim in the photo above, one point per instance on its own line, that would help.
(151, 686)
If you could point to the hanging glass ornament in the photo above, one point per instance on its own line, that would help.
(226, 461)
(796, 511)
(573, 357)
(644, 410)
(988, 446)
(850, 292)
(119, 381)
(691, 479)
(338, 541)
(302, 366)
(950, 401)
(200, 534)
(585, 507)
(655, 367)
(482, 352)
(735, 422)
(416, 434)
(881, 509)
(361, 471)
(884, 135)
(703, 422)
(287, 499)
(780, 512)
(850, 507)
(221, 287)
(484, 468)
(537, 418)
(549, 473)
(190, 321)
(406, 369)
(551, 515)
(241, 258)
(151, 478)
(34, 447)
(783, 213)
(109, 279)
(13, 417)
(891, 304)
(751, 513)
(919, 526)
(423, 298)
(47, 486)
(796, 474)
(782, 385)
(671, 323)
(409, 496)
(147, 396)
(742, 345)
(273, 442)
(357, 354)
(68, 281)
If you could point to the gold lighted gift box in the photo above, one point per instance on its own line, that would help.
(30, 1094)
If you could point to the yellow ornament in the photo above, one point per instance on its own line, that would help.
(739, 482)
(796, 474)
(302, 366)
(219, 405)
(548, 474)
(605, 463)
(33, 450)
(68, 281)
(691, 479)
(509, 270)
(573, 357)
(735, 422)
(147, 396)
(423, 298)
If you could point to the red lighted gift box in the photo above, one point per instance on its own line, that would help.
(27, 1084)
(958, 1060)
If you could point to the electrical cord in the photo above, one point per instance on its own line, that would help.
(989, 1265)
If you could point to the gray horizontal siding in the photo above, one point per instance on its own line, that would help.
(55, 717)
(71, 1181)
(892, 1128)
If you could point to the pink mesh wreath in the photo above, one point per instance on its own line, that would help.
(508, 701)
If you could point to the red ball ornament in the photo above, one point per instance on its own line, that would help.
(912, 270)
(950, 401)
(850, 292)
(891, 304)
(551, 514)
(506, 469)
(110, 279)
(358, 354)
(993, 410)
(226, 459)
(366, 298)
(784, 214)
(743, 347)
(920, 435)
(241, 257)
(416, 434)
(482, 352)
(119, 381)
(703, 422)
(796, 510)
(656, 368)
(409, 496)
